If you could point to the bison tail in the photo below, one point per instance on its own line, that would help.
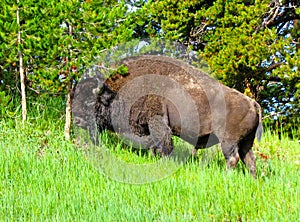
(259, 129)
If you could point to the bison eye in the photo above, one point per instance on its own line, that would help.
(98, 91)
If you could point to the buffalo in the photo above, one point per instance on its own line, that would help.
(160, 97)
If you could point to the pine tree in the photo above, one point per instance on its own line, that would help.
(58, 40)
(249, 45)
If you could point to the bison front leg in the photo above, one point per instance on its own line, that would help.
(230, 151)
(160, 134)
(159, 139)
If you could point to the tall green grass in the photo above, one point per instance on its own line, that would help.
(45, 178)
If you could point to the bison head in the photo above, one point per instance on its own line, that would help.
(83, 105)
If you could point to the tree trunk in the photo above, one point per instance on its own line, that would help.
(69, 96)
(296, 23)
(22, 74)
(68, 111)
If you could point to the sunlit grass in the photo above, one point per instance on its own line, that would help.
(45, 178)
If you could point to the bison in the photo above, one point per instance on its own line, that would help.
(161, 96)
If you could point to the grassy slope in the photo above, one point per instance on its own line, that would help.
(42, 177)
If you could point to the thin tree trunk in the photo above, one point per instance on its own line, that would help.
(69, 96)
(22, 74)
(297, 26)
(68, 111)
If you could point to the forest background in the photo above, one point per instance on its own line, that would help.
(250, 45)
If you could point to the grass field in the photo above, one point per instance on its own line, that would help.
(45, 178)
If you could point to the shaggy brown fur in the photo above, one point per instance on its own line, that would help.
(224, 115)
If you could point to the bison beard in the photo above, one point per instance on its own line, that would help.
(153, 119)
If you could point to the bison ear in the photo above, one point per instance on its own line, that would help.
(100, 85)
(92, 81)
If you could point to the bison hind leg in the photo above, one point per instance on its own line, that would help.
(247, 155)
(230, 152)
(249, 160)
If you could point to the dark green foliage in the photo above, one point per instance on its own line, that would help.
(252, 46)
(5, 104)
(59, 39)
